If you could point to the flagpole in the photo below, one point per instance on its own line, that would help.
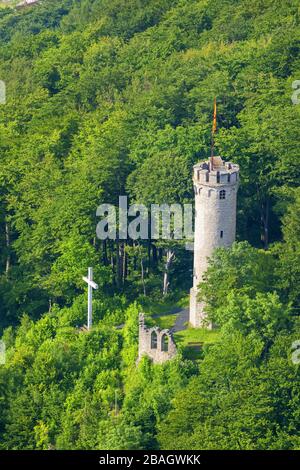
(214, 128)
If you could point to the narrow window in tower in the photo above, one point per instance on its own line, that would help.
(221, 234)
(222, 194)
(218, 177)
(228, 178)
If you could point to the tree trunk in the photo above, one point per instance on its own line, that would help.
(118, 263)
(124, 265)
(154, 254)
(170, 256)
(143, 276)
(7, 239)
(142, 269)
(265, 222)
(105, 259)
(149, 255)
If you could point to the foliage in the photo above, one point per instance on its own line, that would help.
(114, 97)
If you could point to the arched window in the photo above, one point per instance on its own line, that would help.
(164, 343)
(153, 340)
(218, 177)
(222, 194)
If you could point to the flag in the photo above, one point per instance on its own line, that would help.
(214, 127)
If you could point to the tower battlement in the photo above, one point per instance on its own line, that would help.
(222, 173)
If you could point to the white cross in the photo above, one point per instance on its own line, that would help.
(91, 285)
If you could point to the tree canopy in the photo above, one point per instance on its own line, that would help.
(114, 97)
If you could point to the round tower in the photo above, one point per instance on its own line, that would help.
(215, 185)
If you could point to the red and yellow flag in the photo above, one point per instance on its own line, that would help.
(214, 127)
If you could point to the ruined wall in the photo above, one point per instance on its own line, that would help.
(156, 343)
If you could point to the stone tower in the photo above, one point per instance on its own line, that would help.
(215, 185)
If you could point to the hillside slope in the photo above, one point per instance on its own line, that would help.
(112, 97)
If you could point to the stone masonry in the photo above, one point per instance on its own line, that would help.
(156, 343)
(215, 184)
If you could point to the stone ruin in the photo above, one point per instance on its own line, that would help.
(155, 342)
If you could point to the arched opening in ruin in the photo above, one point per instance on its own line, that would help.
(165, 343)
(153, 340)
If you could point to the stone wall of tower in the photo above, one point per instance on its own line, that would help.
(215, 221)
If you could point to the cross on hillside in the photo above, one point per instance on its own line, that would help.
(91, 285)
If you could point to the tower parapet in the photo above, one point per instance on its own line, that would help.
(215, 184)
(222, 173)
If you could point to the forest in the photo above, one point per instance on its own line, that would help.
(115, 97)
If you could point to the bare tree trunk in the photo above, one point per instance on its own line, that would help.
(112, 261)
(148, 255)
(7, 239)
(265, 223)
(154, 254)
(105, 259)
(142, 269)
(170, 257)
(124, 266)
(118, 264)
(143, 276)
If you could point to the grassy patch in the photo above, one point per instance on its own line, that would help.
(163, 313)
(196, 335)
(162, 321)
(8, 4)
(166, 321)
(192, 341)
(162, 307)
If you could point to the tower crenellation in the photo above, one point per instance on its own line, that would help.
(215, 185)
(223, 173)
